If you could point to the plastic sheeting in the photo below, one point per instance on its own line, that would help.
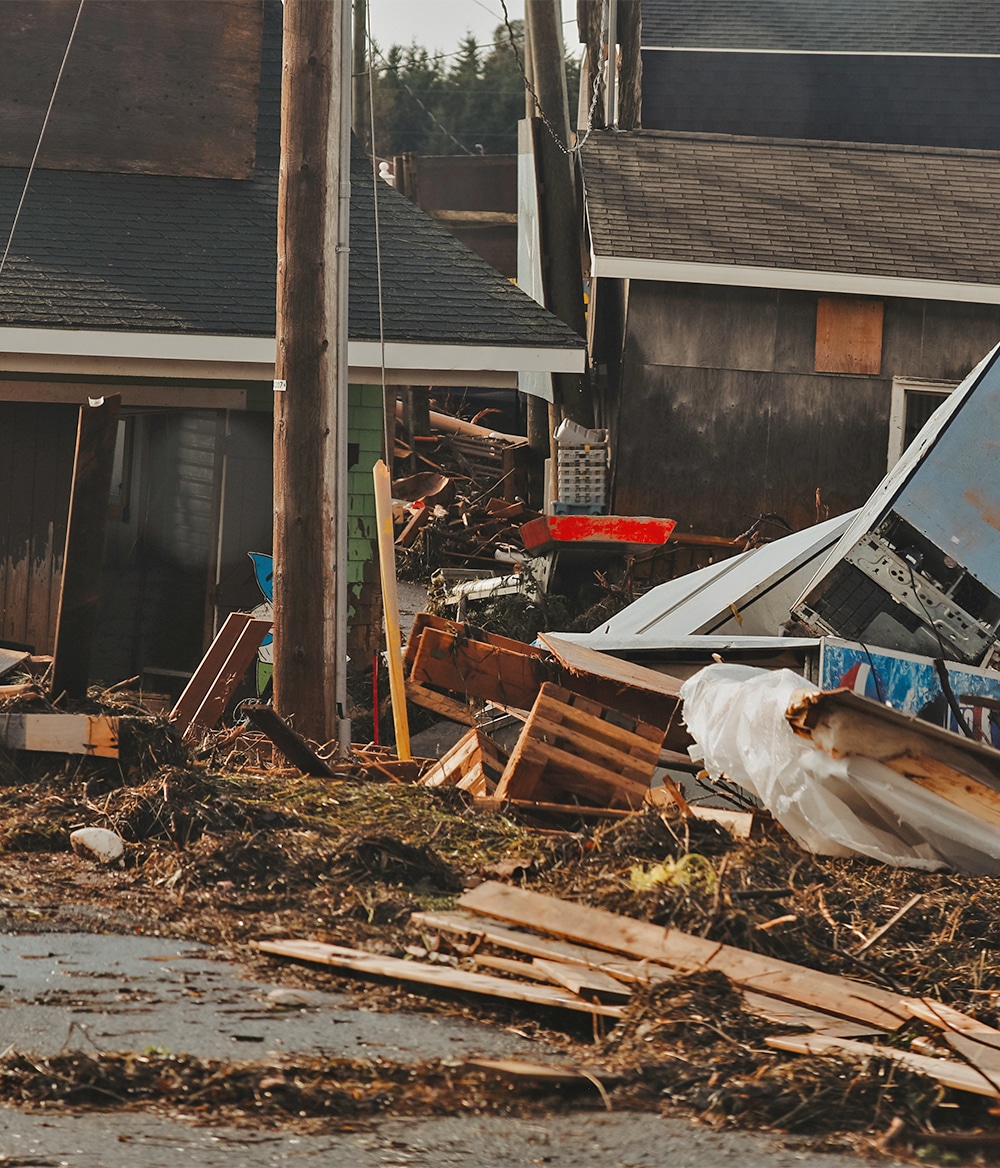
(834, 807)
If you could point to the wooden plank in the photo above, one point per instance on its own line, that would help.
(591, 984)
(428, 620)
(541, 1072)
(438, 976)
(89, 734)
(573, 773)
(781, 979)
(447, 707)
(946, 1071)
(194, 692)
(80, 589)
(557, 727)
(292, 745)
(579, 810)
(957, 789)
(792, 1014)
(479, 670)
(10, 659)
(525, 969)
(221, 670)
(641, 972)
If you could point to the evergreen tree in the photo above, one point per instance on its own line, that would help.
(466, 102)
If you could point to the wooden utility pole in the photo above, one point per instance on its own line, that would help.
(360, 93)
(310, 400)
(560, 219)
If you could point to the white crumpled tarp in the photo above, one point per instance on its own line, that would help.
(834, 807)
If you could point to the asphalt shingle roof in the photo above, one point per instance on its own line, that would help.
(865, 26)
(164, 254)
(906, 212)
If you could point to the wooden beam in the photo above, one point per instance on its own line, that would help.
(292, 745)
(841, 996)
(438, 976)
(79, 592)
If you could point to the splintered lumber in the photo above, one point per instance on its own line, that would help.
(574, 810)
(841, 996)
(291, 744)
(10, 659)
(591, 984)
(474, 764)
(92, 734)
(843, 723)
(632, 972)
(571, 745)
(946, 1071)
(439, 976)
(541, 1072)
(975, 1041)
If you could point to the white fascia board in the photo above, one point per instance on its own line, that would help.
(735, 275)
(507, 358)
(812, 52)
(56, 350)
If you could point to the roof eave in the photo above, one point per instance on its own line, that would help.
(85, 352)
(803, 279)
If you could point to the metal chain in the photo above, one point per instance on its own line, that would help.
(567, 150)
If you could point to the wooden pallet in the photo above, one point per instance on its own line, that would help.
(572, 746)
(474, 764)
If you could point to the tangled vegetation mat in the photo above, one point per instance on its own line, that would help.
(225, 848)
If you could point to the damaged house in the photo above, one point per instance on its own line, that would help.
(142, 263)
(795, 258)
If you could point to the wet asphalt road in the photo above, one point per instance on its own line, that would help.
(68, 991)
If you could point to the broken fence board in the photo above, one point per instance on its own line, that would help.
(841, 996)
(947, 1071)
(438, 976)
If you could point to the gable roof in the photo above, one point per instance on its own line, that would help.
(127, 253)
(835, 217)
(964, 27)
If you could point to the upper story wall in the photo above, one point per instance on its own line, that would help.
(900, 99)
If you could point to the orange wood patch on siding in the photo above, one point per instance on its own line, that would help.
(848, 335)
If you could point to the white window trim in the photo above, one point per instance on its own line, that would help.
(901, 386)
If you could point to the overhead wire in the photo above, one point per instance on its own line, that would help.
(388, 438)
(41, 135)
(595, 91)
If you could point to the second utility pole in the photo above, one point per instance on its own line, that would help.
(310, 400)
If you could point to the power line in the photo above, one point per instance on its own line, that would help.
(38, 144)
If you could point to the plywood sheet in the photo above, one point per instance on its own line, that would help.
(161, 87)
(848, 335)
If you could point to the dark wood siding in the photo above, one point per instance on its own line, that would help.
(722, 418)
(842, 97)
(36, 467)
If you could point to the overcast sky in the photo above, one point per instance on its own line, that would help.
(440, 25)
